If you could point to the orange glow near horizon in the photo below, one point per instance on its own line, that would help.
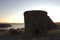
(2, 20)
(12, 19)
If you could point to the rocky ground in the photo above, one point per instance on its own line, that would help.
(52, 35)
(21, 37)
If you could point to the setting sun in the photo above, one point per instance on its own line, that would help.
(17, 18)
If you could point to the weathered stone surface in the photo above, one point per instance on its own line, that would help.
(37, 23)
(51, 24)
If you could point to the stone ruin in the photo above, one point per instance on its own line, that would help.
(37, 23)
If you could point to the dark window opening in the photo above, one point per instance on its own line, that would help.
(37, 32)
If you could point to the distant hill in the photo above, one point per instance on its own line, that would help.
(57, 23)
(4, 25)
(17, 23)
(13, 23)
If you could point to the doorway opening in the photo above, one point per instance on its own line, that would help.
(37, 32)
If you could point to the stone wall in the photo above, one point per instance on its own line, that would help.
(37, 22)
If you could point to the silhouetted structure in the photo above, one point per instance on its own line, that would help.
(37, 23)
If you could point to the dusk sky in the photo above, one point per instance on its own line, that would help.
(11, 11)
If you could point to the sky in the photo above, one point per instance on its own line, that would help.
(12, 11)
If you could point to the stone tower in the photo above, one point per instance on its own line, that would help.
(37, 23)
